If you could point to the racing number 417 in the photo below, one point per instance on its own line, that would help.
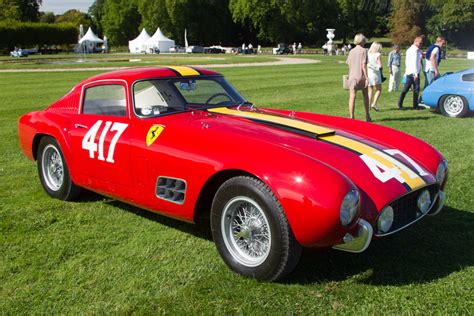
(89, 140)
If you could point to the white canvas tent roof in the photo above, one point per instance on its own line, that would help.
(90, 37)
(139, 44)
(160, 41)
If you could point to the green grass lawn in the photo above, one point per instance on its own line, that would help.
(100, 256)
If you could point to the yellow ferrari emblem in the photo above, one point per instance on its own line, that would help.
(153, 133)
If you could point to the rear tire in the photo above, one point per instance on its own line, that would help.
(53, 171)
(251, 231)
(453, 105)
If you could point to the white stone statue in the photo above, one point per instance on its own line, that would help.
(330, 36)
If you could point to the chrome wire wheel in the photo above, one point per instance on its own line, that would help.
(453, 105)
(246, 231)
(53, 168)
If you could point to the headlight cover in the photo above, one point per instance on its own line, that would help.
(385, 220)
(441, 172)
(349, 207)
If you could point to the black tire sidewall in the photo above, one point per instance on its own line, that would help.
(241, 186)
(65, 190)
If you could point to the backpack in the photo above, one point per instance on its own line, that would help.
(430, 50)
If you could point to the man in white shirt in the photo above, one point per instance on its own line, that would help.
(432, 60)
(412, 72)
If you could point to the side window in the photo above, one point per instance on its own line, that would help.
(148, 98)
(105, 100)
(468, 77)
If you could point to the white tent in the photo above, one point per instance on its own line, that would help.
(90, 40)
(139, 45)
(158, 40)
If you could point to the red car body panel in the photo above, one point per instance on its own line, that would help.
(308, 176)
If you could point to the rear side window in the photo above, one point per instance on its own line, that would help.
(468, 77)
(105, 100)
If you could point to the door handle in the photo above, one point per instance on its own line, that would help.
(79, 126)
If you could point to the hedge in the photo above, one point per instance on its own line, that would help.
(27, 34)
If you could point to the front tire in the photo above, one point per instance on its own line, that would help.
(251, 231)
(53, 171)
(453, 106)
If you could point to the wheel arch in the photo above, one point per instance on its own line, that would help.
(203, 205)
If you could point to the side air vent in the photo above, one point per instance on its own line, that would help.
(171, 189)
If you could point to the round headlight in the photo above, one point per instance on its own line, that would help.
(385, 220)
(424, 201)
(441, 171)
(349, 207)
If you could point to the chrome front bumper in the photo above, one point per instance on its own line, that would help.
(360, 242)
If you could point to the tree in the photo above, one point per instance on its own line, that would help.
(75, 17)
(361, 16)
(407, 20)
(20, 10)
(47, 17)
(96, 12)
(454, 20)
(120, 21)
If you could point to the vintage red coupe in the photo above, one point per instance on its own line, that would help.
(182, 142)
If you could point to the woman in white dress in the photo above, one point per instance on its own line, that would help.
(374, 66)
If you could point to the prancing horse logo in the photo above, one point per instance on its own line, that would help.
(153, 133)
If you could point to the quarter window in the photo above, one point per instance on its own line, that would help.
(468, 77)
(105, 100)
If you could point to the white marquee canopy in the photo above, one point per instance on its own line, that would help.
(160, 41)
(138, 45)
(90, 37)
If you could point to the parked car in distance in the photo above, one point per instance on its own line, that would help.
(195, 49)
(451, 94)
(181, 141)
(282, 49)
(177, 49)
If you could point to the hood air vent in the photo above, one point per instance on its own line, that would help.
(171, 189)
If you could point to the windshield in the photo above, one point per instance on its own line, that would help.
(164, 96)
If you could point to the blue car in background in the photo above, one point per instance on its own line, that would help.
(452, 94)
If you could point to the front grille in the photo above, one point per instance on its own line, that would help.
(406, 211)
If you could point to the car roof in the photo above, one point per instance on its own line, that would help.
(132, 74)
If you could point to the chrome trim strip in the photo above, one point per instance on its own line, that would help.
(416, 220)
(359, 243)
(442, 199)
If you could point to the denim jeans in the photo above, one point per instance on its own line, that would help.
(410, 80)
(430, 77)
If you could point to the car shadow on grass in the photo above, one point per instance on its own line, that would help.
(401, 119)
(428, 250)
(200, 231)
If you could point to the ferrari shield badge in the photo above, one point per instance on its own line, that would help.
(153, 133)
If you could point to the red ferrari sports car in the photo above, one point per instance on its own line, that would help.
(182, 142)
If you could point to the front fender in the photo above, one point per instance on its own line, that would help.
(309, 191)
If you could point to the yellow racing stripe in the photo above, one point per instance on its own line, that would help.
(184, 71)
(412, 179)
(383, 163)
(307, 127)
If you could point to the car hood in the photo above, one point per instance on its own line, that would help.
(382, 172)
